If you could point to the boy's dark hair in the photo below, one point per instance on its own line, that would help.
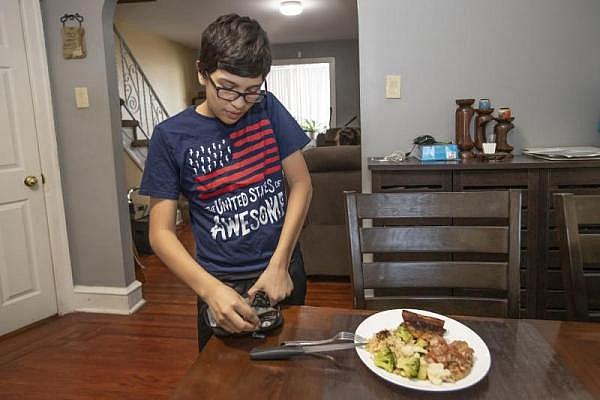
(237, 45)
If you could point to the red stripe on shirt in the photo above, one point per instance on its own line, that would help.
(234, 177)
(253, 138)
(252, 148)
(254, 179)
(249, 128)
(234, 166)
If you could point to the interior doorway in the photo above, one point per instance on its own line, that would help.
(35, 271)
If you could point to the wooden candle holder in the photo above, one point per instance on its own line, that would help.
(464, 114)
(501, 130)
(481, 120)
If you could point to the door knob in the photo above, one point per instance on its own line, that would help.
(31, 181)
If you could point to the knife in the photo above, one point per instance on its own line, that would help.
(286, 352)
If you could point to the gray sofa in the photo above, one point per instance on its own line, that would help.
(324, 243)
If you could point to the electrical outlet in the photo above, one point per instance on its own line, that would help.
(392, 87)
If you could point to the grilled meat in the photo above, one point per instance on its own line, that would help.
(422, 323)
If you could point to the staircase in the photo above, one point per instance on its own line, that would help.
(141, 109)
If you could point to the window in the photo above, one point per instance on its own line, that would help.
(306, 87)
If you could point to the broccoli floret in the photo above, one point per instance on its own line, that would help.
(385, 359)
(422, 342)
(409, 350)
(408, 366)
(422, 369)
(403, 333)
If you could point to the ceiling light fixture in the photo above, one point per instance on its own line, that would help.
(290, 7)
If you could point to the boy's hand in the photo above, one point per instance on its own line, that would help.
(275, 281)
(230, 310)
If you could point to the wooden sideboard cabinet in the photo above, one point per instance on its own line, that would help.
(542, 294)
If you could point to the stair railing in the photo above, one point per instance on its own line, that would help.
(138, 96)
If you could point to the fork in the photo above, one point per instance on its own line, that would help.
(340, 336)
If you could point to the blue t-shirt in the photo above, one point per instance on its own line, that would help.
(232, 178)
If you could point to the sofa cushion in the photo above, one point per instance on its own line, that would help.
(333, 158)
(347, 135)
(328, 205)
(325, 250)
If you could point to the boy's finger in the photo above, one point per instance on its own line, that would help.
(236, 324)
(247, 313)
(251, 292)
(240, 325)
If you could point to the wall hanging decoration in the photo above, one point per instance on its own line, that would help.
(73, 37)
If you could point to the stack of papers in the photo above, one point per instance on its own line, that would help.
(564, 153)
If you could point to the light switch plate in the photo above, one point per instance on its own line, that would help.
(81, 97)
(392, 87)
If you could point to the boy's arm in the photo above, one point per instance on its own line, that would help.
(275, 280)
(231, 311)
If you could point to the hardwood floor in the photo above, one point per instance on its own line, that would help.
(101, 356)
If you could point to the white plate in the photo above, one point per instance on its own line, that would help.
(454, 331)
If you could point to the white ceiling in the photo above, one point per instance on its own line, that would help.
(184, 20)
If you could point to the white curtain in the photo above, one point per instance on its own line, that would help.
(304, 90)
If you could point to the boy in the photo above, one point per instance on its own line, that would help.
(229, 156)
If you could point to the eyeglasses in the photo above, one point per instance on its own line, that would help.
(232, 95)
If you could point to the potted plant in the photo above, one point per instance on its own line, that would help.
(311, 127)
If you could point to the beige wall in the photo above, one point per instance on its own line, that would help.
(133, 173)
(169, 66)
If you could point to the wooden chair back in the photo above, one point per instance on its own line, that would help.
(414, 277)
(579, 225)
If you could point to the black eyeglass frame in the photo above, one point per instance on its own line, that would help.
(220, 90)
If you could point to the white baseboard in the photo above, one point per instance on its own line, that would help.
(109, 300)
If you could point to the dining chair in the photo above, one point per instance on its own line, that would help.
(439, 230)
(579, 227)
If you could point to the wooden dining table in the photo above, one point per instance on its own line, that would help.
(530, 359)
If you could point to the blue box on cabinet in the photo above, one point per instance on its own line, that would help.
(437, 152)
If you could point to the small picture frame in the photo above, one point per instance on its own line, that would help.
(73, 37)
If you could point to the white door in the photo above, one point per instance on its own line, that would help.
(27, 292)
